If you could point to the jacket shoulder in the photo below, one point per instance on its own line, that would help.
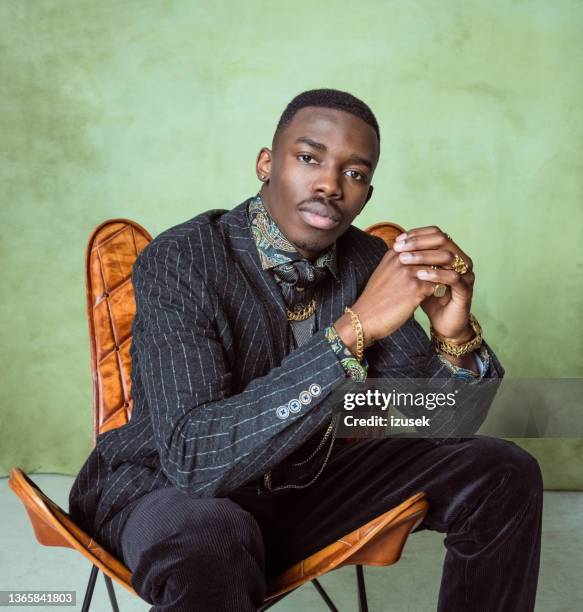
(192, 237)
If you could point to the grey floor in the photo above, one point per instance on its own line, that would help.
(409, 586)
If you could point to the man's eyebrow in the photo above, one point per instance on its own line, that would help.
(312, 143)
(357, 159)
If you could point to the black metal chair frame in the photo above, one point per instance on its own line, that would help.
(362, 602)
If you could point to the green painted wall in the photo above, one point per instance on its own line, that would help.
(156, 110)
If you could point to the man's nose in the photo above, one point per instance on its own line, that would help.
(329, 183)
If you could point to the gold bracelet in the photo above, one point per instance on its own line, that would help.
(357, 326)
(451, 347)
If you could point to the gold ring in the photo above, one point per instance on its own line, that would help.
(439, 290)
(459, 265)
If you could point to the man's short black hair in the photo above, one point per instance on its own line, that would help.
(328, 98)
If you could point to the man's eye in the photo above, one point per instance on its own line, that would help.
(306, 158)
(356, 175)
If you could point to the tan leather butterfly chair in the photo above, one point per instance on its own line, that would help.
(111, 252)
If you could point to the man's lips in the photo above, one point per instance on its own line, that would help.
(318, 215)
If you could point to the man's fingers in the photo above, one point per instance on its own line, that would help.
(419, 231)
(421, 242)
(445, 277)
(433, 257)
(442, 301)
(440, 275)
(416, 245)
(445, 300)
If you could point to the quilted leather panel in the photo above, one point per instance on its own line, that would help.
(122, 307)
(117, 255)
(111, 252)
(111, 391)
(105, 341)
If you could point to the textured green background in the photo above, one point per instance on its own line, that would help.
(156, 110)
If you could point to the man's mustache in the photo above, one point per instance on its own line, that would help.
(320, 206)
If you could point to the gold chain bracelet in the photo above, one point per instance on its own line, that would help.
(458, 349)
(357, 326)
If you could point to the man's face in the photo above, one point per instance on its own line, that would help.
(319, 176)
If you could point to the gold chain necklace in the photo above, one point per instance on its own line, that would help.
(267, 483)
(302, 314)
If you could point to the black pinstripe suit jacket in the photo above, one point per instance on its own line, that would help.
(211, 363)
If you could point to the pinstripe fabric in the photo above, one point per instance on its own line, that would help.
(211, 364)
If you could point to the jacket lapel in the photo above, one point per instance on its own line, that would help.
(269, 307)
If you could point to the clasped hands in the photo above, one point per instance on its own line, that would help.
(431, 253)
(405, 279)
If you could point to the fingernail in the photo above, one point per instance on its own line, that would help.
(422, 274)
(400, 244)
(401, 236)
(406, 257)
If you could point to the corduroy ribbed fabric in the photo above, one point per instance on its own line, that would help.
(190, 554)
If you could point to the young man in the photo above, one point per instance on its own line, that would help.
(229, 470)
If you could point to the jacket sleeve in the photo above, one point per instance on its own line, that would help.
(211, 441)
(408, 354)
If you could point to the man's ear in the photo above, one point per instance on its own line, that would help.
(263, 164)
(368, 197)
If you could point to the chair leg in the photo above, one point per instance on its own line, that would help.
(90, 587)
(362, 602)
(324, 595)
(111, 593)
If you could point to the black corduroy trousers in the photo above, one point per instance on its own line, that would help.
(485, 494)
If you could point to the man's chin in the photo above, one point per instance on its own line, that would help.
(314, 247)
